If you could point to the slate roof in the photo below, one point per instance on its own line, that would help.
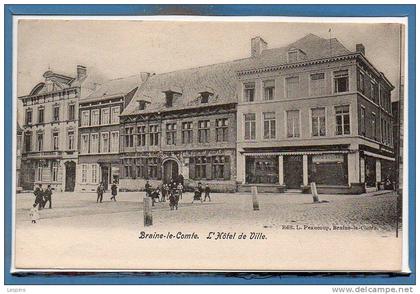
(221, 79)
(116, 87)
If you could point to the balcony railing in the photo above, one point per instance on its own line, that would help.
(43, 154)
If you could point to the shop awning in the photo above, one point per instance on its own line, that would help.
(378, 156)
(296, 153)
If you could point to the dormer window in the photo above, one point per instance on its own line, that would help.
(170, 97)
(142, 104)
(205, 96)
(292, 56)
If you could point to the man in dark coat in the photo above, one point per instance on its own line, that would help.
(100, 191)
(39, 196)
(47, 196)
(114, 191)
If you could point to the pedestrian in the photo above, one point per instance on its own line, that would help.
(155, 195)
(165, 192)
(198, 193)
(34, 213)
(114, 191)
(180, 189)
(148, 188)
(39, 196)
(173, 200)
(100, 192)
(47, 196)
(207, 193)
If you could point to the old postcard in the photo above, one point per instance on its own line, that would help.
(201, 144)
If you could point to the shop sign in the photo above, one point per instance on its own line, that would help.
(326, 158)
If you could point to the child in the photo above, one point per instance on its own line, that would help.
(207, 193)
(34, 213)
(180, 188)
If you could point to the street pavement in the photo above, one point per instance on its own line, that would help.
(78, 233)
(224, 209)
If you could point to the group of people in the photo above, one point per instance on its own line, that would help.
(172, 190)
(42, 197)
(100, 190)
(198, 193)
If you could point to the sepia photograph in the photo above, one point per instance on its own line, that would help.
(209, 145)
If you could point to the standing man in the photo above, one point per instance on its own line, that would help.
(47, 196)
(100, 192)
(39, 196)
(207, 193)
(147, 188)
(114, 191)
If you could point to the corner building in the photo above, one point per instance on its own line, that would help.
(313, 111)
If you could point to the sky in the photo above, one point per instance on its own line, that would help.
(114, 49)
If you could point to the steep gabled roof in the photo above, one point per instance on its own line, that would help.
(116, 87)
(220, 79)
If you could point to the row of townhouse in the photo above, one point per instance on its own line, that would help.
(312, 111)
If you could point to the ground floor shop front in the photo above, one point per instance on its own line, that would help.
(94, 170)
(217, 168)
(59, 173)
(342, 171)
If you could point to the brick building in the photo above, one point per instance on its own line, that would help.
(49, 154)
(99, 131)
(313, 111)
(182, 123)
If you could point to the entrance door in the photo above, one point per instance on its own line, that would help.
(293, 171)
(70, 176)
(170, 170)
(105, 176)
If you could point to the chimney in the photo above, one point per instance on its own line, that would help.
(360, 48)
(257, 46)
(81, 72)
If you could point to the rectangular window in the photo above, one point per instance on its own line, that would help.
(40, 142)
(154, 135)
(84, 144)
(85, 118)
(84, 173)
(361, 82)
(374, 125)
(249, 92)
(94, 143)
(218, 167)
(171, 134)
(115, 115)
(56, 113)
(269, 88)
(250, 126)
(72, 112)
(293, 123)
(115, 142)
(269, 125)
(94, 173)
(222, 130)
(317, 84)
(200, 167)
(318, 122)
(129, 137)
(341, 81)
(105, 116)
(54, 171)
(104, 142)
(40, 115)
(203, 131)
(28, 117)
(153, 168)
(141, 136)
(187, 132)
(362, 121)
(292, 87)
(342, 120)
(95, 117)
(70, 138)
(39, 172)
(28, 141)
(55, 141)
